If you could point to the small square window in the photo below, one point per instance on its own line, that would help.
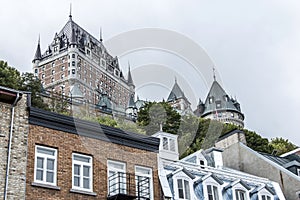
(82, 172)
(73, 71)
(73, 63)
(45, 165)
(73, 55)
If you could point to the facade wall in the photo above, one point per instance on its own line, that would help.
(101, 151)
(241, 158)
(17, 172)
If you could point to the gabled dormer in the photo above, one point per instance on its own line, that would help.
(168, 148)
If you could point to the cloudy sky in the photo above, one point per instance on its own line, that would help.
(254, 46)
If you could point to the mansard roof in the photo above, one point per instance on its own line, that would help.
(218, 95)
(176, 93)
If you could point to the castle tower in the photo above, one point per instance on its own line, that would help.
(178, 100)
(75, 62)
(219, 106)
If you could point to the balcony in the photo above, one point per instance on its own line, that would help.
(127, 186)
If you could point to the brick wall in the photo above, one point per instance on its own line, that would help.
(66, 144)
(17, 172)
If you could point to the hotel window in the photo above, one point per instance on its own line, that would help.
(62, 76)
(211, 100)
(82, 172)
(53, 64)
(73, 71)
(144, 182)
(53, 72)
(36, 71)
(45, 165)
(62, 68)
(212, 192)
(218, 104)
(298, 172)
(52, 80)
(43, 76)
(183, 189)
(116, 172)
(73, 63)
(265, 197)
(73, 55)
(240, 195)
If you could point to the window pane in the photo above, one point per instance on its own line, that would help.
(216, 195)
(86, 171)
(165, 143)
(50, 164)
(172, 145)
(263, 197)
(180, 188)
(76, 181)
(187, 189)
(40, 162)
(209, 189)
(86, 183)
(76, 169)
(143, 171)
(50, 177)
(39, 175)
(82, 158)
(45, 151)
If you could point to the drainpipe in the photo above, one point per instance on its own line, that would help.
(9, 144)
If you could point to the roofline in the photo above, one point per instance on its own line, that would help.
(290, 152)
(271, 162)
(90, 129)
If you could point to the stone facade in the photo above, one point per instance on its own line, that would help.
(17, 170)
(101, 151)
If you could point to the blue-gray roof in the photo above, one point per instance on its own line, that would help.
(217, 95)
(176, 93)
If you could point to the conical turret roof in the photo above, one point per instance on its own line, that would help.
(217, 99)
(38, 55)
(176, 93)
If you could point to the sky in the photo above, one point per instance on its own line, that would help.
(254, 46)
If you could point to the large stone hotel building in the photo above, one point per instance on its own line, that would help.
(77, 65)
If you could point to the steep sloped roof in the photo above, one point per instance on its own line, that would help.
(176, 93)
(217, 95)
(38, 54)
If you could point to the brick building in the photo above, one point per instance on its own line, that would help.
(14, 130)
(59, 157)
(77, 65)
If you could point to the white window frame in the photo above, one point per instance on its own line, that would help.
(45, 157)
(169, 144)
(239, 186)
(213, 183)
(81, 177)
(183, 180)
(111, 168)
(266, 197)
(264, 192)
(239, 190)
(298, 171)
(149, 175)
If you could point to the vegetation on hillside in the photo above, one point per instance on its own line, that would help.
(193, 133)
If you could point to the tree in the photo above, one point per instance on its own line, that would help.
(153, 115)
(281, 145)
(10, 77)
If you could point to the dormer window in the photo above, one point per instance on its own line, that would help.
(298, 172)
(265, 197)
(218, 104)
(169, 144)
(212, 192)
(240, 195)
(211, 100)
(183, 189)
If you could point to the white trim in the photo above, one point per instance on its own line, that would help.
(264, 192)
(210, 181)
(239, 187)
(150, 176)
(181, 175)
(45, 158)
(111, 168)
(298, 172)
(81, 177)
(290, 152)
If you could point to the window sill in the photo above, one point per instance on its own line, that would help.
(45, 186)
(83, 192)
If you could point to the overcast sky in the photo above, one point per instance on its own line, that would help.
(254, 45)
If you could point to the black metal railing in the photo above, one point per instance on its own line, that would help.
(138, 187)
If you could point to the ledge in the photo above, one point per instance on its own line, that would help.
(83, 192)
(45, 186)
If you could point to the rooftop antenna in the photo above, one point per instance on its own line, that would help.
(70, 16)
(214, 73)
